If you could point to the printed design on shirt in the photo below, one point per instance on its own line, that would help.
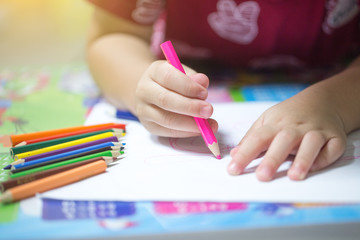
(236, 23)
(147, 11)
(186, 50)
(276, 61)
(339, 13)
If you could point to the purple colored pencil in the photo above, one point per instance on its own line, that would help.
(72, 148)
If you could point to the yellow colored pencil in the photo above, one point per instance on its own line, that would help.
(67, 144)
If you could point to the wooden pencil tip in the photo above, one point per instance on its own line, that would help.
(115, 153)
(115, 148)
(118, 130)
(108, 160)
(6, 197)
(214, 148)
(119, 135)
(21, 160)
(23, 143)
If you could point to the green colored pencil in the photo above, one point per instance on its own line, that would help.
(108, 153)
(38, 145)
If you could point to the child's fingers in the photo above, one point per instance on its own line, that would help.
(161, 131)
(309, 149)
(168, 119)
(284, 142)
(201, 79)
(173, 102)
(172, 79)
(333, 149)
(171, 121)
(256, 142)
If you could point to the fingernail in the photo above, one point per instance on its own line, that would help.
(202, 94)
(297, 173)
(233, 169)
(263, 173)
(205, 112)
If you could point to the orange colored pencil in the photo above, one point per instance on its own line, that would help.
(16, 139)
(54, 181)
(68, 134)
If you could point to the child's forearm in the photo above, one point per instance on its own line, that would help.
(117, 62)
(342, 92)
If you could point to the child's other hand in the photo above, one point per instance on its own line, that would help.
(307, 125)
(167, 100)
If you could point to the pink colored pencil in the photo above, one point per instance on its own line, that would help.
(203, 124)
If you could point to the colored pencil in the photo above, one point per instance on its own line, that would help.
(66, 144)
(16, 139)
(59, 158)
(36, 176)
(63, 150)
(38, 145)
(54, 181)
(115, 154)
(124, 114)
(120, 127)
(67, 153)
(203, 124)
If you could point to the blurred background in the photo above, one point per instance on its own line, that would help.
(37, 32)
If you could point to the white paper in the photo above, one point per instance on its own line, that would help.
(166, 169)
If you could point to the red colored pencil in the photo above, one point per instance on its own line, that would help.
(68, 134)
(16, 139)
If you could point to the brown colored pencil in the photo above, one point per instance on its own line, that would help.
(36, 176)
(54, 181)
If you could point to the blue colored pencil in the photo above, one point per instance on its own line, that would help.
(63, 150)
(123, 114)
(66, 155)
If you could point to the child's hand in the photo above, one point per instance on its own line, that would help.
(167, 100)
(306, 125)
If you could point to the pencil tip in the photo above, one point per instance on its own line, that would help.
(20, 144)
(7, 167)
(118, 130)
(214, 148)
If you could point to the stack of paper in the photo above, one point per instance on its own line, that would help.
(166, 169)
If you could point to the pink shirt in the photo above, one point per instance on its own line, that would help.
(261, 33)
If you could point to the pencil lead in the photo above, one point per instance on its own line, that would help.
(7, 167)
